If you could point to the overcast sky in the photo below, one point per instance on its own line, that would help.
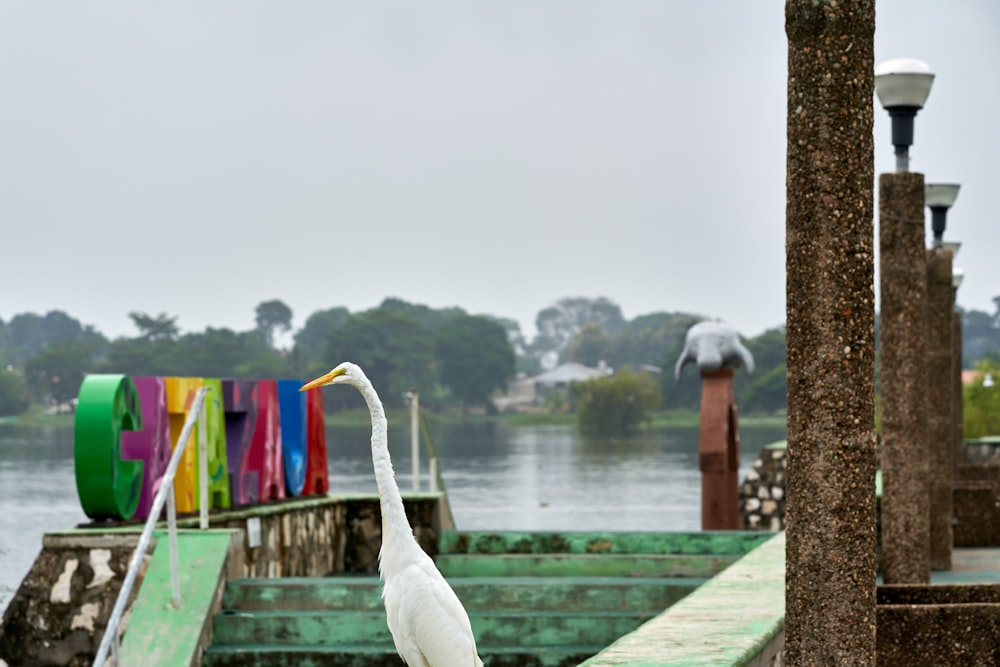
(197, 158)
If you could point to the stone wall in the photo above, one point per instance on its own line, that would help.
(977, 493)
(58, 615)
(938, 625)
(762, 493)
(983, 450)
(324, 536)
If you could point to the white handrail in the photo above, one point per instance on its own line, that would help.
(165, 491)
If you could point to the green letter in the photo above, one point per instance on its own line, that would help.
(108, 486)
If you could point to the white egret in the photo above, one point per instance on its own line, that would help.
(428, 623)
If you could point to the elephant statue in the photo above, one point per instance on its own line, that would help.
(713, 345)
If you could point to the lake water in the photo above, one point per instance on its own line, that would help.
(498, 477)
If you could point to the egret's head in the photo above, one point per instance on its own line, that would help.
(345, 373)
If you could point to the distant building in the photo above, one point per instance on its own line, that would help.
(525, 394)
(561, 377)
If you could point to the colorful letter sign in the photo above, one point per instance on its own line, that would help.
(265, 449)
(215, 448)
(317, 473)
(108, 486)
(265, 441)
(240, 403)
(180, 397)
(293, 434)
(151, 445)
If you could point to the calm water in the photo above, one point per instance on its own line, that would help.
(498, 477)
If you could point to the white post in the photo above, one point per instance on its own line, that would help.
(203, 501)
(109, 641)
(433, 474)
(415, 436)
(175, 581)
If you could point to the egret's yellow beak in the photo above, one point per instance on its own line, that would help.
(322, 380)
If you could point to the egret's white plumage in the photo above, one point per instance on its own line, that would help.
(428, 623)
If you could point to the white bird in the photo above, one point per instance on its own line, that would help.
(429, 625)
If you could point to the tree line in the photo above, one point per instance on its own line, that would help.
(456, 360)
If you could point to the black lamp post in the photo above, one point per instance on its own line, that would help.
(902, 86)
(940, 197)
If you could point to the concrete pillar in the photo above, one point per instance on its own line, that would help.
(957, 411)
(906, 532)
(940, 427)
(830, 553)
(719, 452)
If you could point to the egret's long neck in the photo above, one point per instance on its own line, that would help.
(396, 529)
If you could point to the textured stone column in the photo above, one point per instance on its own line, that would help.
(906, 532)
(830, 563)
(957, 411)
(940, 428)
(719, 452)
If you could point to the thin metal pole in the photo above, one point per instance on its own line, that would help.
(166, 485)
(203, 501)
(175, 583)
(415, 436)
(433, 474)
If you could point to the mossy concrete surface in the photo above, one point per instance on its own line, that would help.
(581, 594)
(723, 542)
(158, 634)
(737, 618)
(550, 599)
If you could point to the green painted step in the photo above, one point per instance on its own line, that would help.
(314, 628)
(583, 565)
(476, 593)
(730, 542)
(374, 656)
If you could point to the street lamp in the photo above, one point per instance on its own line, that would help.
(954, 246)
(902, 86)
(940, 197)
(957, 276)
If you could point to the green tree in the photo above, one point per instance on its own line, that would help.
(590, 346)
(311, 339)
(430, 318)
(764, 391)
(56, 372)
(159, 327)
(271, 316)
(615, 405)
(475, 358)
(395, 350)
(559, 323)
(981, 404)
(679, 395)
(980, 336)
(27, 334)
(647, 338)
(15, 398)
(143, 356)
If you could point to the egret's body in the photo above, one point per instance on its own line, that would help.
(428, 623)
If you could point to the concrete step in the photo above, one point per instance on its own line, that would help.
(329, 628)
(727, 542)
(583, 565)
(258, 655)
(476, 593)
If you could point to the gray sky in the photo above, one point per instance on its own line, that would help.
(198, 158)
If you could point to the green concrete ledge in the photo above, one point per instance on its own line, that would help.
(737, 619)
(160, 635)
(700, 543)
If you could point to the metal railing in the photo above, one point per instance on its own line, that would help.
(165, 494)
(435, 483)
